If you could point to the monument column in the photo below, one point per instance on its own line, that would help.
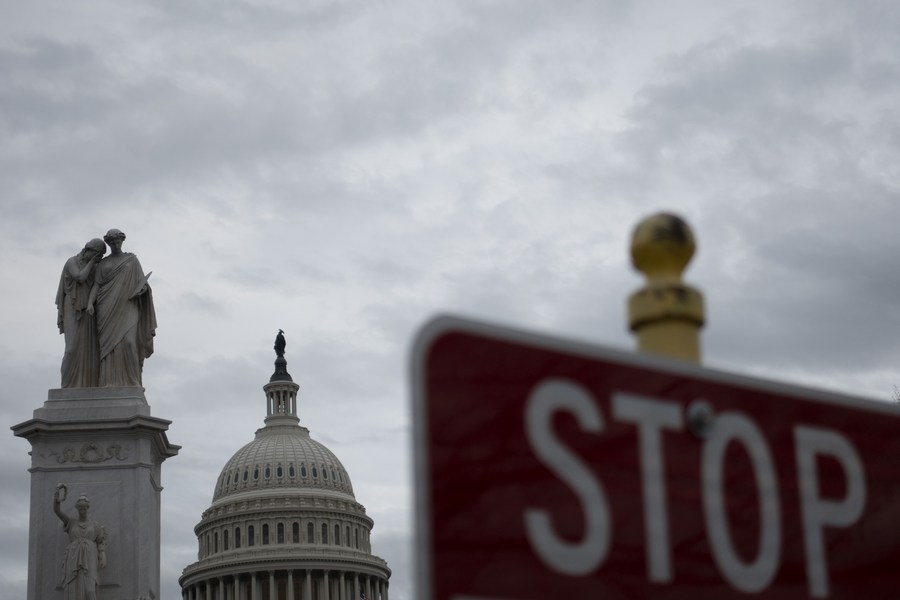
(103, 444)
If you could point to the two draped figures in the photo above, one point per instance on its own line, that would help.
(106, 315)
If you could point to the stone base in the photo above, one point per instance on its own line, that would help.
(101, 442)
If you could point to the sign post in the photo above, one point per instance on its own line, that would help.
(548, 468)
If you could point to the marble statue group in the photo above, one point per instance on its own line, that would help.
(105, 311)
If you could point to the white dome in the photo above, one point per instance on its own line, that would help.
(282, 457)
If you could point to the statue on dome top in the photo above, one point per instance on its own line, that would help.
(280, 343)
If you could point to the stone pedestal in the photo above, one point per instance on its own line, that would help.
(101, 442)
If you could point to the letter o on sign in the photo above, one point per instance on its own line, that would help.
(757, 574)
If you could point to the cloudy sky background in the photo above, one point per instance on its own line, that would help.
(344, 170)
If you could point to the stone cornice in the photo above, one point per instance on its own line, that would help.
(286, 489)
(280, 503)
(250, 518)
(300, 557)
(153, 427)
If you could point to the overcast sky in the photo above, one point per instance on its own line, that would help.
(345, 170)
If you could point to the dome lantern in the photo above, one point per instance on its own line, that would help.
(281, 391)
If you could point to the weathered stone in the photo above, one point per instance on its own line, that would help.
(81, 358)
(125, 316)
(102, 443)
(86, 551)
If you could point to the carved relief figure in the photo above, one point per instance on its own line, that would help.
(81, 359)
(86, 551)
(126, 319)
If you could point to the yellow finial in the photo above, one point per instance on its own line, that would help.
(666, 315)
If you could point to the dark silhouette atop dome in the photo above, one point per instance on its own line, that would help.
(280, 373)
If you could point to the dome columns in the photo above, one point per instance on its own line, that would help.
(289, 584)
(281, 403)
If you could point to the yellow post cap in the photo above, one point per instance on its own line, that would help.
(662, 245)
(665, 314)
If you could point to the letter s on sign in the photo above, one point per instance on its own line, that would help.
(571, 558)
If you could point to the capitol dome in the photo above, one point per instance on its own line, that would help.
(284, 523)
(282, 459)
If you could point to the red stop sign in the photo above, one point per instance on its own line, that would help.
(548, 468)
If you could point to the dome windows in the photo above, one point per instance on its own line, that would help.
(327, 530)
(282, 460)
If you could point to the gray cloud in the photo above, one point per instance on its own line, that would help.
(344, 172)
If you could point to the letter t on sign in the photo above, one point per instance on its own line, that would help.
(651, 417)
